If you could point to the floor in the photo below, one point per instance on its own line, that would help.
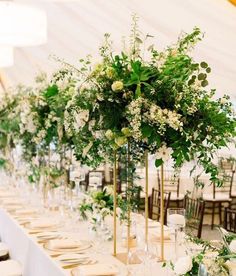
(208, 234)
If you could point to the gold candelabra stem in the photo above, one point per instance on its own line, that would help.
(114, 203)
(146, 196)
(128, 199)
(162, 213)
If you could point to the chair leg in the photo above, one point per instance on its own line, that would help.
(213, 215)
(220, 215)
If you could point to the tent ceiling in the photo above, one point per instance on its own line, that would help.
(76, 28)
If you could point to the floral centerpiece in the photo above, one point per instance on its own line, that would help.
(160, 103)
(97, 205)
(208, 258)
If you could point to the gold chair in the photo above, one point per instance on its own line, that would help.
(194, 210)
(155, 205)
(172, 185)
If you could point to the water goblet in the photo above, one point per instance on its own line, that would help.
(176, 221)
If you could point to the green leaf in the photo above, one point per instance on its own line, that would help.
(51, 91)
(202, 76)
(158, 162)
(138, 91)
(203, 64)
(146, 130)
(204, 83)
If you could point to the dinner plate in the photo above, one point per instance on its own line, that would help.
(46, 236)
(53, 226)
(84, 245)
(72, 259)
(96, 270)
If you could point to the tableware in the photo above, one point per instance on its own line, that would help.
(176, 221)
(70, 259)
(42, 225)
(81, 246)
(96, 270)
(46, 236)
(11, 267)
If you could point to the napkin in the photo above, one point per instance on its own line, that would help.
(6, 194)
(10, 268)
(13, 201)
(3, 249)
(26, 211)
(63, 244)
(98, 270)
(42, 223)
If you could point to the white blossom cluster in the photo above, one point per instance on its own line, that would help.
(28, 118)
(134, 109)
(141, 110)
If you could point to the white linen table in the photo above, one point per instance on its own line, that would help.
(23, 248)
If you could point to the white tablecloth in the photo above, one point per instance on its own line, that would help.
(35, 261)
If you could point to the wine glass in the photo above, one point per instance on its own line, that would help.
(176, 221)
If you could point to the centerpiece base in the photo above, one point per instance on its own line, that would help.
(123, 257)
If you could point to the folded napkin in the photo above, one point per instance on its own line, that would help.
(10, 268)
(6, 194)
(12, 201)
(43, 223)
(63, 244)
(26, 211)
(98, 270)
(4, 250)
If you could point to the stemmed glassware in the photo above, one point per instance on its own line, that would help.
(176, 221)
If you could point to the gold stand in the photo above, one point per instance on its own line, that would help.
(128, 199)
(123, 256)
(162, 258)
(114, 203)
(146, 197)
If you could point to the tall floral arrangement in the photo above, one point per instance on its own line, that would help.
(160, 103)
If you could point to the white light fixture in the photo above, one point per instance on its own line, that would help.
(6, 56)
(22, 25)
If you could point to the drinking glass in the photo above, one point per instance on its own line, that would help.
(176, 221)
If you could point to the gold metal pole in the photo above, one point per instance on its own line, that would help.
(146, 197)
(114, 203)
(2, 82)
(128, 199)
(162, 214)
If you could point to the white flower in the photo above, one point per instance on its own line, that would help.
(109, 134)
(232, 267)
(120, 141)
(117, 86)
(232, 246)
(223, 100)
(82, 117)
(183, 265)
(164, 153)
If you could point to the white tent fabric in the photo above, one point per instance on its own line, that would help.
(76, 28)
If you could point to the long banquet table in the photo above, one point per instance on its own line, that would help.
(37, 261)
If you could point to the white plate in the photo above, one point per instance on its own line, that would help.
(80, 259)
(84, 245)
(53, 226)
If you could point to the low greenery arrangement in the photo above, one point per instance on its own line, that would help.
(211, 259)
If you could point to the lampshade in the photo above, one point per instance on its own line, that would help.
(22, 25)
(6, 56)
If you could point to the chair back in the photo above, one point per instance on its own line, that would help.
(194, 212)
(155, 205)
(96, 180)
(171, 181)
(226, 164)
(230, 220)
(226, 188)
